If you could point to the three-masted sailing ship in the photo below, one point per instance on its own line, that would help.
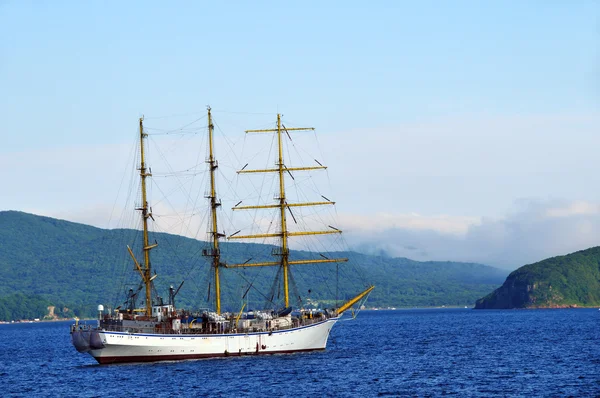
(160, 331)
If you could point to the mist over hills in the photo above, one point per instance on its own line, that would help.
(76, 267)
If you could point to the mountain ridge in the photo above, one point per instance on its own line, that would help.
(77, 266)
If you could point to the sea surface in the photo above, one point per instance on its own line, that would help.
(419, 352)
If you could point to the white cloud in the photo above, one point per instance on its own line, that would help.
(575, 208)
(378, 222)
(533, 231)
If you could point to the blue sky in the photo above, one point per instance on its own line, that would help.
(465, 114)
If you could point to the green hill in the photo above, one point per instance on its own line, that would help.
(75, 267)
(563, 281)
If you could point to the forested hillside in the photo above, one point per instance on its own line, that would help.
(76, 267)
(563, 281)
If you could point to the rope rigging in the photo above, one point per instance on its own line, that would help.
(180, 209)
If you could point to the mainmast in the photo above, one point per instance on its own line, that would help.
(285, 253)
(145, 268)
(215, 251)
(282, 204)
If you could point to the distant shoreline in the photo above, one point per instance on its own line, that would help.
(21, 322)
(28, 321)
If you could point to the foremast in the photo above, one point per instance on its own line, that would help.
(282, 205)
(145, 268)
(214, 252)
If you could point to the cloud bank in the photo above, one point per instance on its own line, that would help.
(534, 230)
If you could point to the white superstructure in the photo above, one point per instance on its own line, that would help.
(108, 346)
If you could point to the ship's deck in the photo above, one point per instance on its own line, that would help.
(202, 328)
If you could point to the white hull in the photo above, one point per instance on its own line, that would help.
(140, 347)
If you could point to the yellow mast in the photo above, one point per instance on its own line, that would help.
(284, 244)
(215, 252)
(146, 270)
(282, 205)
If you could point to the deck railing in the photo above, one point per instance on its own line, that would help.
(209, 328)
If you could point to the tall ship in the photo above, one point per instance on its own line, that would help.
(159, 330)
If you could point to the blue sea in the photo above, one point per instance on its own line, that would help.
(419, 352)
